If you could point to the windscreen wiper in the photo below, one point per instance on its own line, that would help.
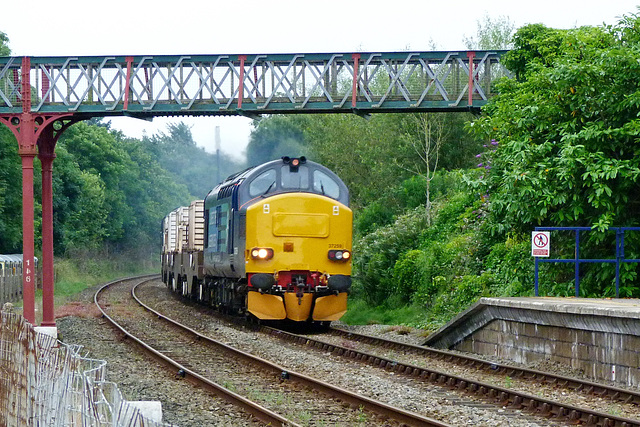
(268, 188)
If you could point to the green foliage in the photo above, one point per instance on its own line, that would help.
(361, 313)
(177, 153)
(86, 224)
(449, 257)
(10, 194)
(406, 274)
(412, 191)
(4, 45)
(492, 34)
(110, 192)
(533, 45)
(450, 217)
(443, 184)
(570, 146)
(378, 252)
(375, 215)
(459, 293)
(364, 154)
(101, 154)
(511, 266)
(567, 153)
(73, 276)
(406, 261)
(373, 157)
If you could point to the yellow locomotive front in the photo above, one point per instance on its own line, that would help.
(278, 243)
(298, 257)
(295, 229)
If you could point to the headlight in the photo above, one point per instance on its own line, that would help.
(262, 253)
(339, 255)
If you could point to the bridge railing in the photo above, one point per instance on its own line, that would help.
(251, 84)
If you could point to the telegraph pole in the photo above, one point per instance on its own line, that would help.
(217, 154)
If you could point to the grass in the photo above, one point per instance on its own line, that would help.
(72, 276)
(360, 313)
(508, 382)
(75, 275)
(304, 416)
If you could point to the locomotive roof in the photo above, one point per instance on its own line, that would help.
(254, 170)
(246, 176)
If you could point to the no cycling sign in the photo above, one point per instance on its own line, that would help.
(540, 243)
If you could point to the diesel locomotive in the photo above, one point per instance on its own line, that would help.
(272, 242)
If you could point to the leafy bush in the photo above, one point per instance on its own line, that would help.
(512, 267)
(447, 217)
(459, 294)
(376, 214)
(378, 252)
(412, 192)
(406, 274)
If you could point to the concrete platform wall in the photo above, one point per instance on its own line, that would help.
(600, 337)
(599, 355)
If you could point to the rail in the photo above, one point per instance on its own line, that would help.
(492, 392)
(397, 414)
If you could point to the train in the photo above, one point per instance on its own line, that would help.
(11, 277)
(273, 242)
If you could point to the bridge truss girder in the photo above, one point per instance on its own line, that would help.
(147, 86)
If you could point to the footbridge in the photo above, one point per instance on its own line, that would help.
(40, 97)
(147, 86)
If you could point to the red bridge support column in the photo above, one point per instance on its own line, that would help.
(28, 278)
(46, 154)
(27, 150)
(36, 133)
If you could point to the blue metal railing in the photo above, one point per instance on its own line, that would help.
(619, 258)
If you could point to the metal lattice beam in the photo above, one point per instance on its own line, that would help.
(253, 84)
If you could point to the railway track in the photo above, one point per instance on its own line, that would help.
(469, 374)
(201, 358)
(416, 396)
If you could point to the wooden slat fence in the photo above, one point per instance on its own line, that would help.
(46, 383)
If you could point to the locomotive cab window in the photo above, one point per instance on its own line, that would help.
(294, 179)
(263, 183)
(222, 212)
(218, 228)
(324, 184)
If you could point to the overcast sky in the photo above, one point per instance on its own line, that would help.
(136, 27)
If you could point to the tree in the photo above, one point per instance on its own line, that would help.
(10, 194)
(4, 45)
(492, 34)
(176, 151)
(180, 134)
(431, 131)
(110, 191)
(566, 132)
